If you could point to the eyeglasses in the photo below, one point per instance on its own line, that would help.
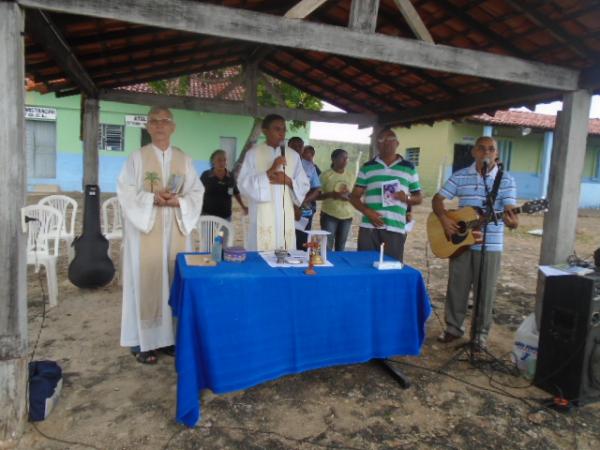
(165, 121)
(388, 139)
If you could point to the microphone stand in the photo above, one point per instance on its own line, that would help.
(489, 215)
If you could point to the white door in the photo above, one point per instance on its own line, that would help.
(40, 141)
(229, 144)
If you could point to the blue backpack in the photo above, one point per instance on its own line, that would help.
(45, 384)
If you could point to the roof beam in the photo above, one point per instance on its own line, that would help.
(235, 23)
(506, 96)
(48, 35)
(232, 107)
(363, 15)
(303, 9)
(414, 21)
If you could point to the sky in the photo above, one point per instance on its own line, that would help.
(351, 133)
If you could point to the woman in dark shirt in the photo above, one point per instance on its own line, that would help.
(219, 187)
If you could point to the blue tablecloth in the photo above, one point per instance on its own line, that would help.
(242, 324)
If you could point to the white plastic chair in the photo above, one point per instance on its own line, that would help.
(112, 229)
(112, 225)
(40, 222)
(207, 229)
(65, 205)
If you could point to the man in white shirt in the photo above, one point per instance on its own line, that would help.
(161, 199)
(273, 181)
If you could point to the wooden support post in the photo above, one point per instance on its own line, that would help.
(363, 15)
(373, 147)
(13, 298)
(91, 124)
(251, 88)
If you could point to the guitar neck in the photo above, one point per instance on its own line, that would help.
(497, 215)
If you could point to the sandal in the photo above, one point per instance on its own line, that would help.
(148, 357)
(169, 351)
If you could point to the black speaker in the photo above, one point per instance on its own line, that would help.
(568, 363)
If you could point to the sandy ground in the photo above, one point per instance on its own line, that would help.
(109, 401)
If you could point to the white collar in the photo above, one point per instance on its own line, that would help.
(492, 173)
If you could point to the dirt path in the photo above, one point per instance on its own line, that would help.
(111, 402)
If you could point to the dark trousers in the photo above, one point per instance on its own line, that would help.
(339, 229)
(371, 239)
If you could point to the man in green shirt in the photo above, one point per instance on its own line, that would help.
(390, 184)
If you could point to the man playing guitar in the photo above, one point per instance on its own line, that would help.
(468, 185)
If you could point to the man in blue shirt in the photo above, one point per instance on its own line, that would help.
(315, 189)
(467, 185)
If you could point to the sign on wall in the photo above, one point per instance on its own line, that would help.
(40, 113)
(136, 121)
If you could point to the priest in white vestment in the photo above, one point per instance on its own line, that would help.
(272, 183)
(161, 198)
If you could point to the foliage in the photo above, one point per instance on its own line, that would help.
(293, 98)
(175, 86)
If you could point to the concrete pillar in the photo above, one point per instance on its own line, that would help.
(91, 124)
(566, 168)
(488, 130)
(13, 296)
(546, 158)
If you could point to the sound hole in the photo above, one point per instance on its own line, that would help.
(462, 233)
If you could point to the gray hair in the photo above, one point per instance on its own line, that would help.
(156, 109)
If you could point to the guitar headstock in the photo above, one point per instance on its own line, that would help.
(534, 206)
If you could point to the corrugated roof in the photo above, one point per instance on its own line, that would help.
(527, 119)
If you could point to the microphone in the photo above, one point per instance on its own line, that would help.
(282, 149)
(484, 168)
(31, 219)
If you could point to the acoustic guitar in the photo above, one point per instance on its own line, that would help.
(468, 219)
(91, 267)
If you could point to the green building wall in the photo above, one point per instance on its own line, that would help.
(197, 133)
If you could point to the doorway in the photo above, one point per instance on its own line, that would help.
(40, 142)
(462, 156)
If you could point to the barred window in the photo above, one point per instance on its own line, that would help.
(111, 137)
(412, 155)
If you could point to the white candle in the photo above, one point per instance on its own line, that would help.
(381, 253)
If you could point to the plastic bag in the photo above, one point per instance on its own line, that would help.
(525, 349)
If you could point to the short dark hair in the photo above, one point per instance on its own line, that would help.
(214, 154)
(336, 154)
(269, 119)
(295, 139)
(309, 147)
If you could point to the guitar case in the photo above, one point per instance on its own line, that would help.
(92, 267)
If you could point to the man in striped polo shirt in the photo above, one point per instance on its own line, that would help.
(390, 184)
(467, 185)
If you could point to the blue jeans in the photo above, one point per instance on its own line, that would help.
(339, 229)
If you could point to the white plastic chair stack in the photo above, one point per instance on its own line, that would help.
(112, 226)
(68, 209)
(40, 222)
(207, 229)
